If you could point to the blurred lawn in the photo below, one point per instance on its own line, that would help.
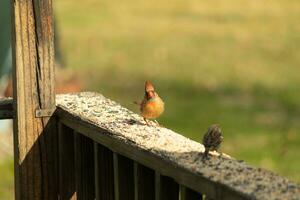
(6, 183)
(230, 62)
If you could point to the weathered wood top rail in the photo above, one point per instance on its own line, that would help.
(167, 152)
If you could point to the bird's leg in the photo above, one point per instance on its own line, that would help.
(220, 154)
(146, 121)
(157, 123)
(205, 154)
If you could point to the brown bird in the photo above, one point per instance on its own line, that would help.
(212, 139)
(152, 105)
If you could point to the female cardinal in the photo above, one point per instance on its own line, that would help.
(152, 105)
(212, 139)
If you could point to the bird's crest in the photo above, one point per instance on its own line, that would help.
(148, 86)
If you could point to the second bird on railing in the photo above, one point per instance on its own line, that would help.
(152, 105)
(212, 139)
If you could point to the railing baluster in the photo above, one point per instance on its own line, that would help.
(188, 194)
(123, 176)
(144, 179)
(66, 163)
(157, 185)
(136, 181)
(104, 175)
(84, 167)
(96, 163)
(116, 176)
(169, 189)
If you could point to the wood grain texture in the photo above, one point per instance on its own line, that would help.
(104, 173)
(66, 155)
(84, 167)
(35, 140)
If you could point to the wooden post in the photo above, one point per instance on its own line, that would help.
(35, 137)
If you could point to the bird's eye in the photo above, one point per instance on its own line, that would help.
(150, 94)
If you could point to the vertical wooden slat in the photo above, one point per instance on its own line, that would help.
(169, 189)
(144, 182)
(136, 181)
(84, 167)
(116, 176)
(193, 195)
(104, 175)
(35, 140)
(66, 163)
(96, 163)
(157, 185)
(124, 178)
(188, 194)
(208, 198)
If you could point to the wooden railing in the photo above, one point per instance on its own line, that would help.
(107, 152)
(91, 147)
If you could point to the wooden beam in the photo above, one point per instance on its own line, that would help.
(33, 89)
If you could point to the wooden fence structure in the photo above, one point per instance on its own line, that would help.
(84, 146)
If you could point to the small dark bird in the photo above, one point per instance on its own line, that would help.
(212, 139)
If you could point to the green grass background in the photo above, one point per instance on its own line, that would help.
(233, 62)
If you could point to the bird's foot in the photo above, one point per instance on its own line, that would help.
(147, 123)
(205, 156)
(158, 123)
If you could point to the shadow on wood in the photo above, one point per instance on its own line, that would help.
(39, 168)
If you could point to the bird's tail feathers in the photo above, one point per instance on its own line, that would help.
(137, 103)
